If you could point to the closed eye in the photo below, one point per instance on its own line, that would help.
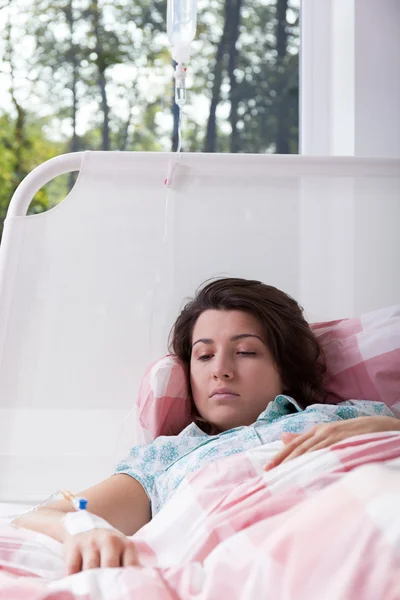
(206, 357)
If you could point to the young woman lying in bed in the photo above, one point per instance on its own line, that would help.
(255, 372)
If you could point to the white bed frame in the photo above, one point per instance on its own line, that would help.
(89, 289)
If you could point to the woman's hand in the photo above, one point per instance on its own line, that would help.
(98, 548)
(324, 435)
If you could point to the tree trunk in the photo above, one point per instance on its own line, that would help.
(234, 17)
(124, 137)
(101, 66)
(74, 80)
(104, 105)
(211, 135)
(18, 172)
(175, 115)
(282, 133)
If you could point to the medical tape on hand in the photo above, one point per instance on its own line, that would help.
(83, 520)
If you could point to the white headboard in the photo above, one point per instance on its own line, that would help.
(90, 289)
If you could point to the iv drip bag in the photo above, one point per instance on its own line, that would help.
(181, 27)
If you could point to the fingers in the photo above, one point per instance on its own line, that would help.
(129, 558)
(91, 558)
(289, 448)
(110, 557)
(307, 446)
(73, 559)
(118, 554)
(111, 552)
(317, 438)
(288, 437)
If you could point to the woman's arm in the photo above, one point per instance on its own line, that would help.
(324, 435)
(120, 500)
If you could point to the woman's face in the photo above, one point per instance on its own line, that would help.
(232, 372)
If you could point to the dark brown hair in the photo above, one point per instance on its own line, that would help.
(295, 349)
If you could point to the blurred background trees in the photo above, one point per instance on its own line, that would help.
(97, 74)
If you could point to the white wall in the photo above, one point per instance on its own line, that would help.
(377, 78)
(350, 78)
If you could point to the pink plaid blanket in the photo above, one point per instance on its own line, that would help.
(325, 525)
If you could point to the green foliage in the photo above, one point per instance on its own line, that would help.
(97, 74)
(36, 150)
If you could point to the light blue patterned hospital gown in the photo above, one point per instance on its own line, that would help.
(163, 464)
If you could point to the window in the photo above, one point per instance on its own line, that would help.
(97, 74)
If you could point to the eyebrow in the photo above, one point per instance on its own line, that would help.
(233, 338)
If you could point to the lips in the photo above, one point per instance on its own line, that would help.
(223, 393)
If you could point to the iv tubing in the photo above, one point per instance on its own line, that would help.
(77, 503)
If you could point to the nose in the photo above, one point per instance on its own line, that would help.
(223, 370)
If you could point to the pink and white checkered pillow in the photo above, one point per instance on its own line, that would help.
(363, 357)
(363, 363)
(163, 402)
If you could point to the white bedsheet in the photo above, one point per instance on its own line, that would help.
(9, 509)
(324, 525)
